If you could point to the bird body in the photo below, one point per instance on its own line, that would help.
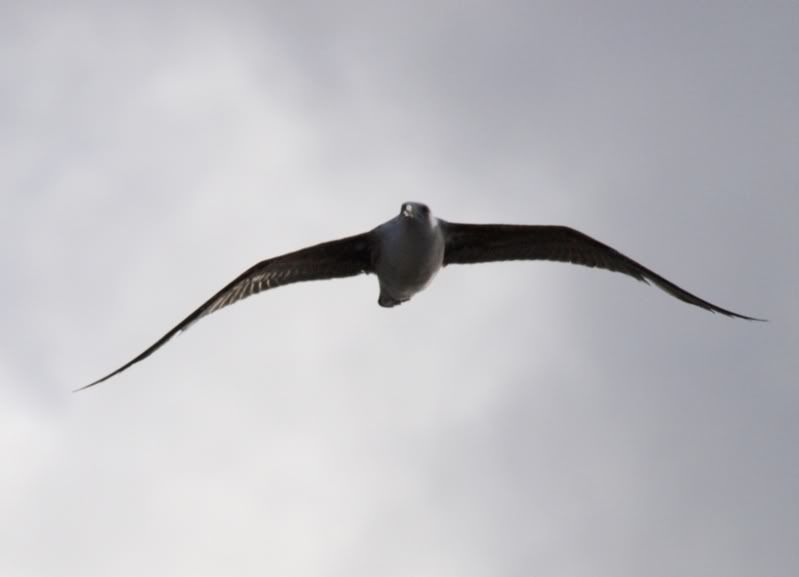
(407, 251)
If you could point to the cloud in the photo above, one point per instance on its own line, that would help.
(513, 418)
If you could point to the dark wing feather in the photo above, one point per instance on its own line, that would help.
(473, 243)
(339, 258)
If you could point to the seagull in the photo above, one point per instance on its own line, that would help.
(407, 251)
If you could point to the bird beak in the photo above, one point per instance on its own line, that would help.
(407, 210)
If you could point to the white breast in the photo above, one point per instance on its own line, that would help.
(410, 253)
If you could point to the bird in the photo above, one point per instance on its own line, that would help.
(407, 251)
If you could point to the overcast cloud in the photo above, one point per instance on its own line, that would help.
(514, 419)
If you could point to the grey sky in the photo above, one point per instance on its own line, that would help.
(514, 419)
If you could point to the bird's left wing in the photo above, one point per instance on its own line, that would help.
(473, 243)
(344, 257)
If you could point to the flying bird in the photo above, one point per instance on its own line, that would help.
(407, 251)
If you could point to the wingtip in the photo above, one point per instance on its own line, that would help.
(84, 387)
(756, 319)
(744, 317)
(97, 382)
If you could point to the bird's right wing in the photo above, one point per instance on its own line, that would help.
(345, 257)
(473, 243)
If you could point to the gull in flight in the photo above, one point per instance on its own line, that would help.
(407, 251)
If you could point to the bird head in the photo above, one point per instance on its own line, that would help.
(415, 210)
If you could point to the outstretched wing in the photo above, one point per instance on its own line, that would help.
(473, 243)
(339, 258)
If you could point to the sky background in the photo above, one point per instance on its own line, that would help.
(514, 419)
